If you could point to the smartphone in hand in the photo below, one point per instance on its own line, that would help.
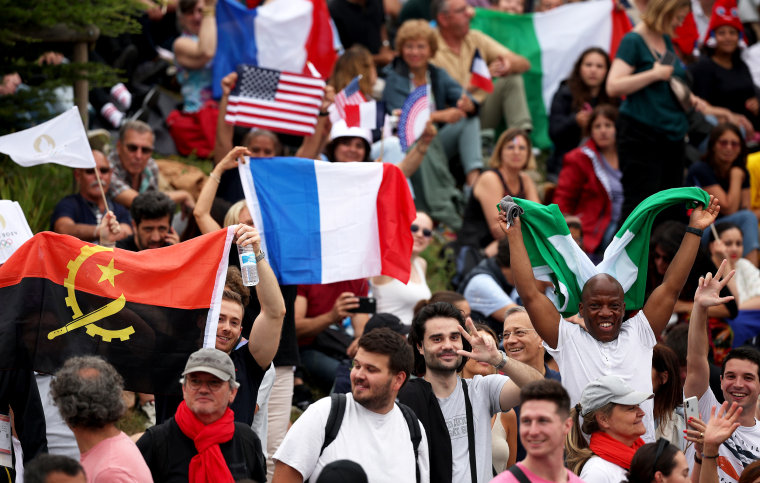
(691, 409)
(367, 305)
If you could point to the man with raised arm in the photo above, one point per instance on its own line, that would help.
(609, 345)
(739, 381)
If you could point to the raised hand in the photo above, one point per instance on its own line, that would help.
(708, 290)
(483, 348)
(702, 217)
(722, 424)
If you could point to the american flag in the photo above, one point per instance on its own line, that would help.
(274, 100)
(348, 96)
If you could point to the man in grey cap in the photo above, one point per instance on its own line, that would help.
(204, 426)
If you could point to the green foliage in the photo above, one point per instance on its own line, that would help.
(37, 189)
(440, 260)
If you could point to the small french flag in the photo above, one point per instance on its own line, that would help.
(481, 76)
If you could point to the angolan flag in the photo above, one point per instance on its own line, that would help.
(556, 257)
(552, 42)
(145, 312)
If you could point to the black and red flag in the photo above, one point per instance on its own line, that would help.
(144, 312)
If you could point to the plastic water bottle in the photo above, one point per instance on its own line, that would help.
(248, 267)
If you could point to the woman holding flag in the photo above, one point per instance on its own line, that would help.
(452, 109)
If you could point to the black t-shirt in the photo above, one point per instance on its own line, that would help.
(358, 24)
(128, 243)
(247, 372)
(167, 452)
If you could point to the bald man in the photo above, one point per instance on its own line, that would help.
(608, 345)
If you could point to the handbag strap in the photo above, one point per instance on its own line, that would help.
(470, 433)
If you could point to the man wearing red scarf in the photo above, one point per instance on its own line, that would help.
(202, 442)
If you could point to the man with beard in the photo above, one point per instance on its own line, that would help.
(608, 345)
(80, 214)
(739, 381)
(457, 413)
(374, 431)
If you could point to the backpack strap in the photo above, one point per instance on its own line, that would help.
(470, 433)
(334, 420)
(518, 474)
(414, 433)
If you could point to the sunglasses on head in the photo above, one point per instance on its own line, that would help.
(102, 170)
(425, 232)
(132, 148)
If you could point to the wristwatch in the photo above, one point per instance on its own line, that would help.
(503, 362)
(260, 256)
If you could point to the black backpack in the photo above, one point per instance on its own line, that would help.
(335, 419)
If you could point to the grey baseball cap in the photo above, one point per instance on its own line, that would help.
(609, 389)
(211, 361)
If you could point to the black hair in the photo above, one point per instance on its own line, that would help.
(745, 353)
(547, 390)
(646, 462)
(37, 470)
(387, 342)
(417, 334)
(151, 205)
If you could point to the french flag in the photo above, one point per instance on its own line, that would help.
(281, 35)
(323, 222)
(480, 75)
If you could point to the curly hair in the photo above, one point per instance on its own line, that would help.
(417, 30)
(87, 391)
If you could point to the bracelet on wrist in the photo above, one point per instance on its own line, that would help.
(712, 457)
(697, 459)
(209, 11)
(215, 177)
(323, 113)
(694, 231)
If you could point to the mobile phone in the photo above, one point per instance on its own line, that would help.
(367, 305)
(690, 408)
(668, 58)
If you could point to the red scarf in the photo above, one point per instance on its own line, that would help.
(612, 450)
(209, 464)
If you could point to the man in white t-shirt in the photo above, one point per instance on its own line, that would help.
(545, 422)
(457, 413)
(607, 346)
(739, 380)
(373, 431)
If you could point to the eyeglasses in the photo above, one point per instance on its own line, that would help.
(213, 385)
(519, 333)
(425, 232)
(728, 143)
(132, 148)
(662, 443)
(102, 170)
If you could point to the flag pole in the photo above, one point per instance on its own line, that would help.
(100, 184)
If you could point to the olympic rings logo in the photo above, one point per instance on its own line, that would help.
(7, 243)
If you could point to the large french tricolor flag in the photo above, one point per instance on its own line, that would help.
(281, 35)
(325, 222)
(552, 42)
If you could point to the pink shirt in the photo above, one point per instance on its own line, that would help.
(115, 459)
(507, 477)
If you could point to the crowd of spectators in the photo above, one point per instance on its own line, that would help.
(460, 385)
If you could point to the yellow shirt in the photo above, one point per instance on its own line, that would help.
(458, 65)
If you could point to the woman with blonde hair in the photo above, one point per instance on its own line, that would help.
(612, 417)
(652, 123)
(506, 176)
(355, 61)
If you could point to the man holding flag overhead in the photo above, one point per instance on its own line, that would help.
(609, 345)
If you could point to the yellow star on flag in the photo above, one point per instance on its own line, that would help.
(109, 272)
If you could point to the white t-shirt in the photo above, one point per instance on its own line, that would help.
(741, 449)
(485, 295)
(598, 470)
(747, 279)
(581, 359)
(260, 424)
(484, 396)
(380, 443)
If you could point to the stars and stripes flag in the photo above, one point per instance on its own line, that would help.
(274, 100)
(351, 95)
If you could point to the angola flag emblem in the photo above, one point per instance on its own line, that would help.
(144, 312)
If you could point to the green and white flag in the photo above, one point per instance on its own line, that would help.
(556, 257)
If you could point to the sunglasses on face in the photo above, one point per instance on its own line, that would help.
(132, 148)
(726, 143)
(102, 170)
(425, 232)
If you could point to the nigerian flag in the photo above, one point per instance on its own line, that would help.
(552, 41)
(555, 256)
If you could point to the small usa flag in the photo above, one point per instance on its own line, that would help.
(274, 100)
(348, 96)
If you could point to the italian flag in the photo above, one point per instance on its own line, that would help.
(552, 42)
(555, 256)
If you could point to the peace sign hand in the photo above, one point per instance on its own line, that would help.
(483, 348)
